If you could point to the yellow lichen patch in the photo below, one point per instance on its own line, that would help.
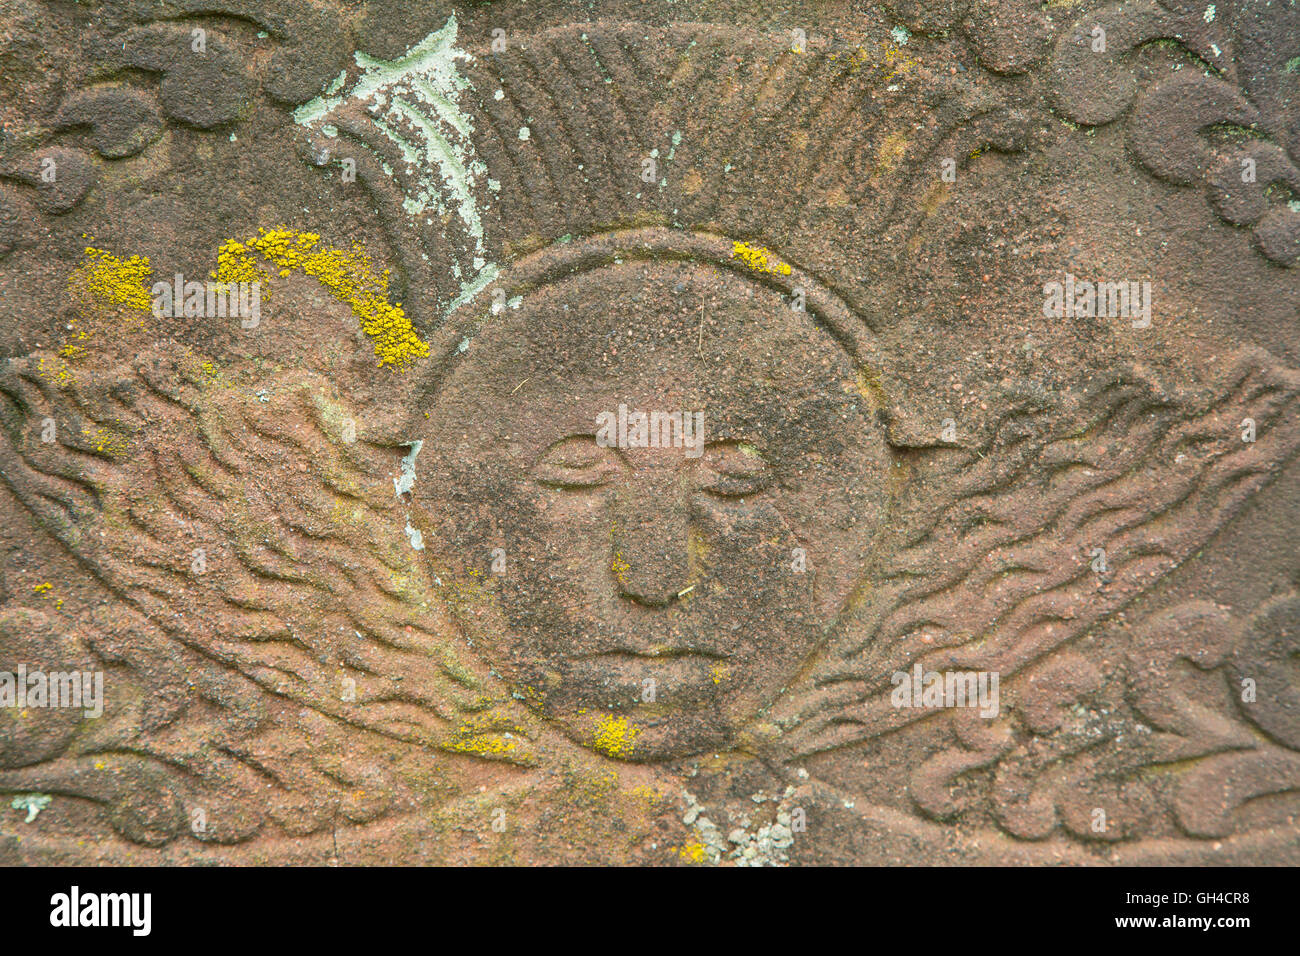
(493, 735)
(619, 567)
(106, 287)
(867, 384)
(895, 60)
(482, 746)
(649, 795)
(346, 512)
(234, 264)
(105, 441)
(759, 258)
(615, 736)
(56, 371)
(117, 281)
(45, 590)
(347, 275)
(694, 852)
(891, 151)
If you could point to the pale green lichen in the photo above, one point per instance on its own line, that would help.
(33, 803)
(414, 103)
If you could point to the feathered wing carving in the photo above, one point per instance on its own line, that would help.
(263, 536)
(990, 562)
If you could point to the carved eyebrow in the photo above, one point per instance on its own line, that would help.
(578, 441)
(742, 452)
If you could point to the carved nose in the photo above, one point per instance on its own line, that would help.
(651, 559)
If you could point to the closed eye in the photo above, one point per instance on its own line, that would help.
(735, 470)
(576, 462)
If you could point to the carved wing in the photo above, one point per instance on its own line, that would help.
(258, 538)
(1005, 554)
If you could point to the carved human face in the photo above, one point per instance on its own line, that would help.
(653, 599)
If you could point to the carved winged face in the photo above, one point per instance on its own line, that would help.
(920, 471)
(677, 587)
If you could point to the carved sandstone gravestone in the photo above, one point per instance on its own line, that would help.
(981, 346)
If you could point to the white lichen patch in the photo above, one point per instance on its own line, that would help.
(754, 837)
(33, 803)
(487, 274)
(415, 104)
(402, 484)
(406, 480)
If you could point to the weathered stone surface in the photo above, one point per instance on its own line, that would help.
(371, 565)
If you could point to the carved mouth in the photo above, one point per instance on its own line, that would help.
(655, 654)
(618, 679)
